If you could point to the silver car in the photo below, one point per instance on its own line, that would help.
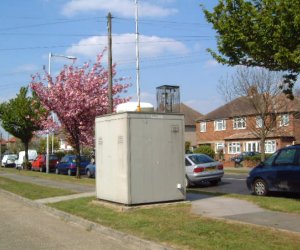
(201, 168)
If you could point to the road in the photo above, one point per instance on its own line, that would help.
(24, 227)
(231, 183)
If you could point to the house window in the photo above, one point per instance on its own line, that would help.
(239, 123)
(252, 146)
(234, 148)
(259, 121)
(270, 147)
(220, 125)
(202, 126)
(284, 120)
(219, 146)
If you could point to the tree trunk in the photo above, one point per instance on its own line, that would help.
(262, 148)
(78, 160)
(26, 162)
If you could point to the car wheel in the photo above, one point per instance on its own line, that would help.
(188, 183)
(69, 172)
(260, 187)
(41, 169)
(88, 174)
(57, 171)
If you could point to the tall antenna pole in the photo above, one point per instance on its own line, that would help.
(137, 55)
(110, 99)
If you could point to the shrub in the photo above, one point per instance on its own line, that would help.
(253, 158)
(205, 150)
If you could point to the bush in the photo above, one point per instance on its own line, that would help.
(205, 150)
(253, 158)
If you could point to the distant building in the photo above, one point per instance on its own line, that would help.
(190, 117)
(228, 128)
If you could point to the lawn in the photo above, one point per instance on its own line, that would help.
(176, 226)
(31, 191)
(237, 170)
(50, 176)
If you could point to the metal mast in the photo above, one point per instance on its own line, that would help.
(137, 55)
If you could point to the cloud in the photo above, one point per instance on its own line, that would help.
(123, 47)
(125, 8)
(211, 64)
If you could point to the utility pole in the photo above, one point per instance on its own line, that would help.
(109, 92)
(137, 55)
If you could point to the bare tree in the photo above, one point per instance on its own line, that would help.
(259, 91)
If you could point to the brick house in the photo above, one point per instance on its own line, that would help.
(190, 117)
(227, 128)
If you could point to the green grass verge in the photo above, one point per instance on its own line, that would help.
(31, 191)
(176, 226)
(50, 176)
(279, 204)
(236, 170)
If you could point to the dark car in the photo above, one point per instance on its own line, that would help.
(280, 173)
(90, 170)
(240, 157)
(67, 165)
(39, 164)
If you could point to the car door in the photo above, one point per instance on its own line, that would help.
(295, 175)
(284, 165)
(63, 165)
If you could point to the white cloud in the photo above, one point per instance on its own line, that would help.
(211, 64)
(125, 8)
(124, 47)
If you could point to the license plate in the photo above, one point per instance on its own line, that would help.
(210, 169)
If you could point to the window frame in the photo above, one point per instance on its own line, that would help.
(284, 120)
(235, 145)
(221, 122)
(202, 127)
(217, 146)
(270, 144)
(237, 121)
(259, 121)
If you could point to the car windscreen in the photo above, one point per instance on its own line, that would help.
(53, 158)
(198, 159)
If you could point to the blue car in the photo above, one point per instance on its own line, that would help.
(67, 165)
(90, 170)
(279, 173)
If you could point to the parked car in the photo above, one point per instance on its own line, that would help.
(90, 170)
(201, 168)
(67, 165)
(32, 154)
(39, 164)
(240, 157)
(9, 160)
(280, 173)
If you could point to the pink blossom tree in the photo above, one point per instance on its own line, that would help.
(77, 95)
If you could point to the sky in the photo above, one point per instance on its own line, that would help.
(174, 36)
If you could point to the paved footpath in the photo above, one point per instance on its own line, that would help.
(242, 211)
(25, 226)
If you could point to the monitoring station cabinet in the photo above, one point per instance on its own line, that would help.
(140, 158)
